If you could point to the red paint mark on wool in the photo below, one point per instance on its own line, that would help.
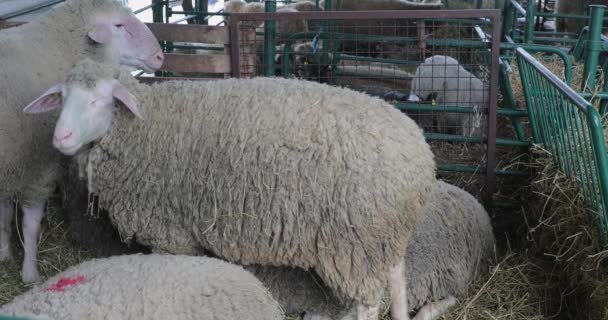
(65, 282)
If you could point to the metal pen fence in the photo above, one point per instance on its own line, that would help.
(570, 128)
(378, 52)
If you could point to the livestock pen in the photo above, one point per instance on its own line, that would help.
(379, 53)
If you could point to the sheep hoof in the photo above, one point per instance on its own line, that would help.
(312, 316)
(434, 310)
(30, 274)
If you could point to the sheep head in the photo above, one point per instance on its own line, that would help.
(87, 103)
(127, 39)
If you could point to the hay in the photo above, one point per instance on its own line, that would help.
(55, 253)
(562, 232)
(513, 290)
(556, 66)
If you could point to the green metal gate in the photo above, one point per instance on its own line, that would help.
(570, 128)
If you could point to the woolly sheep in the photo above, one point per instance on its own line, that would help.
(303, 6)
(102, 29)
(443, 79)
(260, 171)
(451, 246)
(283, 26)
(149, 287)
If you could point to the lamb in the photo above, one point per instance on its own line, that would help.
(444, 80)
(253, 173)
(451, 246)
(101, 29)
(151, 286)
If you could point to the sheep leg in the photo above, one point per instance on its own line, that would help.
(6, 218)
(366, 312)
(434, 310)
(399, 308)
(32, 215)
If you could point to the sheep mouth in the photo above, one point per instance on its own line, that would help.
(67, 149)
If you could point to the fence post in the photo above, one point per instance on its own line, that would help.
(508, 22)
(202, 6)
(529, 31)
(269, 40)
(593, 47)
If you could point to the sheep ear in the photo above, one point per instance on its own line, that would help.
(49, 100)
(120, 92)
(100, 33)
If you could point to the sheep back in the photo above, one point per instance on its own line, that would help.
(466, 250)
(452, 245)
(149, 287)
(268, 171)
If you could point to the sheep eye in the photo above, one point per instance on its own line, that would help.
(118, 25)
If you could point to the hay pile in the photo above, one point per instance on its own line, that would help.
(562, 232)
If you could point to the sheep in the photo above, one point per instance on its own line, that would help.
(286, 26)
(151, 286)
(451, 246)
(303, 6)
(101, 29)
(259, 171)
(444, 80)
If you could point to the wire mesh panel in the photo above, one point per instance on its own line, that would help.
(438, 66)
(570, 128)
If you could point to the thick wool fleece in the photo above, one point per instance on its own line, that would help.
(267, 171)
(36, 56)
(149, 287)
(452, 84)
(452, 245)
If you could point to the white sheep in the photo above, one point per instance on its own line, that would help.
(287, 26)
(34, 56)
(259, 171)
(444, 80)
(452, 245)
(151, 286)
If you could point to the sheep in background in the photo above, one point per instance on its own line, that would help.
(149, 287)
(451, 246)
(34, 56)
(283, 26)
(443, 80)
(298, 174)
(304, 6)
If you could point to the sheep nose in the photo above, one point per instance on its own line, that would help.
(63, 136)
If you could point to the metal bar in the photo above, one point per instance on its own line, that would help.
(491, 146)
(270, 32)
(138, 11)
(529, 28)
(593, 47)
(518, 7)
(474, 139)
(30, 9)
(379, 14)
(201, 6)
(235, 50)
